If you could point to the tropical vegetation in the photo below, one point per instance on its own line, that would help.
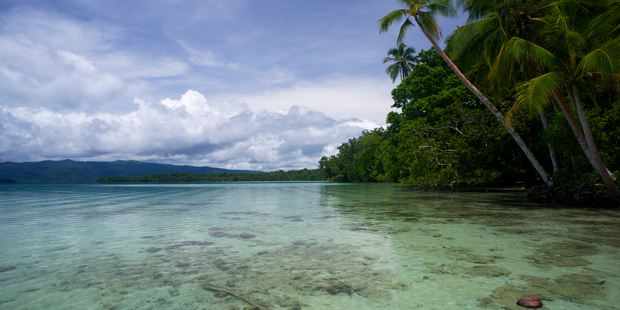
(552, 67)
(402, 58)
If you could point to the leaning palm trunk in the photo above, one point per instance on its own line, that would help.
(539, 168)
(552, 154)
(586, 139)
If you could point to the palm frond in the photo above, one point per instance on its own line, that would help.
(463, 37)
(386, 22)
(533, 95)
(388, 59)
(429, 25)
(604, 60)
(495, 42)
(392, 70)
(403, 30)
(504, 16)
(500, 71)
(525, 51)
(443, 8)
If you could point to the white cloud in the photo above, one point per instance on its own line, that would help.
(200, 58)
(338, 97)
(190, 130)
(65, 64)
(78, 61)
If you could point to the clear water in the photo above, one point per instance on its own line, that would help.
(299, 246)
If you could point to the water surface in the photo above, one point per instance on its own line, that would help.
(295, 245)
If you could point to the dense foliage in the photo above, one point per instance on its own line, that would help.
(280, 175)
(542, 53)
(443, 134)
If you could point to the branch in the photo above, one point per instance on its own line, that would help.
(436, 149)
(454, 127)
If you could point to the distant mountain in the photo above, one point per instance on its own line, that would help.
(68, 171)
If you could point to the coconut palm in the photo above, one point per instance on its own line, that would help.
(403, 57)
(422, 13)
(574, 49)
(482, 42)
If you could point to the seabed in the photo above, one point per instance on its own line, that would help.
(310, 246)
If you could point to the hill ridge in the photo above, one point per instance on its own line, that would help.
(70, 171)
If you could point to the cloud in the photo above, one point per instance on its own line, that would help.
(200, 57)
(190, 130)
(78, 61)
(64, 64)
(337, 96)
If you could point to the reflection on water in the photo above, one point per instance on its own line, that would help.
(299, 246)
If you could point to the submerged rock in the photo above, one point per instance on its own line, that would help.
(153, 250)
(337, 288)
(7, 268)
(58, 249)
(562, 254)
(190, 243)
(530, 301)
(246, 236)
(218, 234)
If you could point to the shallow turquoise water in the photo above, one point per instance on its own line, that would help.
(299, 246)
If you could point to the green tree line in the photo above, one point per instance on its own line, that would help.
(280, 175)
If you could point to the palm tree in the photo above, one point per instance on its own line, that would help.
(482, 42)
(423, 13)
(574, 50)
(402, 56)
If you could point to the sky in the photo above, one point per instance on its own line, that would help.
(236, 84)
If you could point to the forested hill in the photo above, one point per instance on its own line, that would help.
(68, 171)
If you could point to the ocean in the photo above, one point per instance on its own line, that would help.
(299, 245)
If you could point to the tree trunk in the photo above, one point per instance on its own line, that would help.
(539, 168)
(554, 157)
(595, 157)
(590, 150)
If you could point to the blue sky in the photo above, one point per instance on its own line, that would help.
(233, 84)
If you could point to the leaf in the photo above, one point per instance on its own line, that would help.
(604, 60)
(534, 94)
(525, 51)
